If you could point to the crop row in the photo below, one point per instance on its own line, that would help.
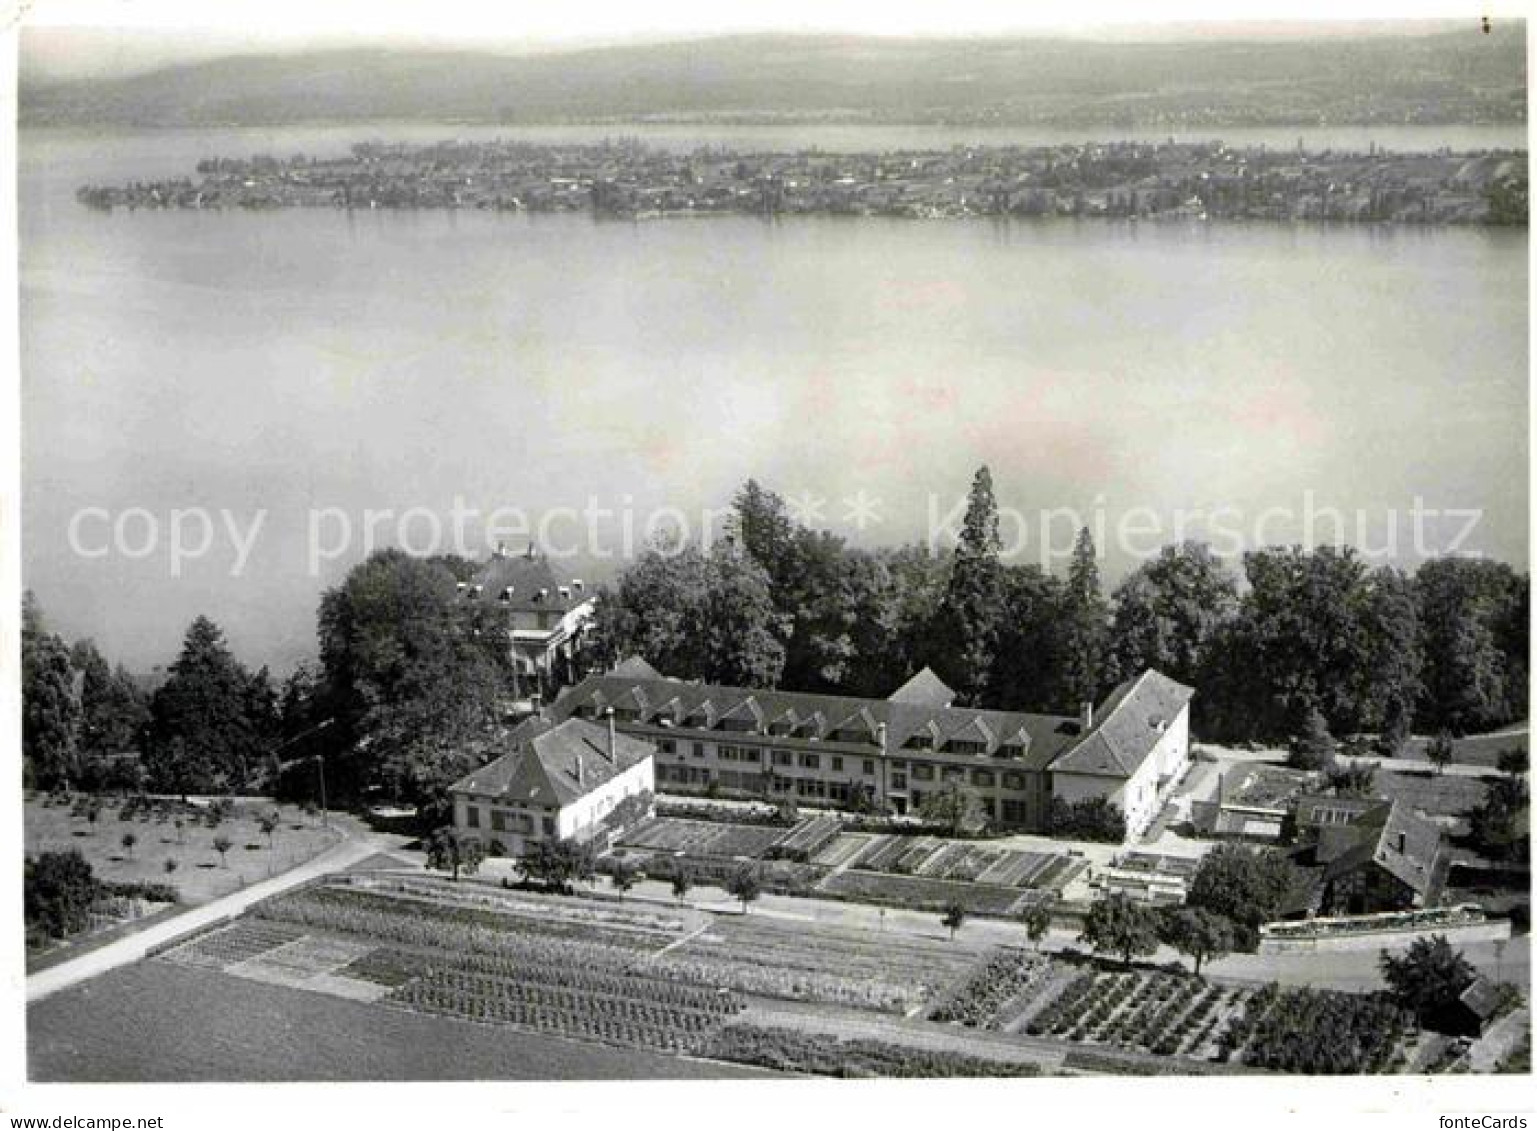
(598, 916)
(1061, 1014)
(1318, 1032)
(237, 943)
(530, 919)
(557, 1010)
(407, 924)
(798, 1051)
(1001, 979)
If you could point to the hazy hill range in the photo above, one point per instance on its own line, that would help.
(1460, 76)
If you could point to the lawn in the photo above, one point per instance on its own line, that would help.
(157, 1021)
(1474, 749)
(1438, 795)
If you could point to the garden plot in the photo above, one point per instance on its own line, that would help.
(962, 861)
(1146, 1011)
(830, 965)
(842, 850)
(703, 838)
(233, 944)
(1319, 1032)
(923, 894)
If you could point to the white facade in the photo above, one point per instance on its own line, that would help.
(1142, 795)
(516, 823)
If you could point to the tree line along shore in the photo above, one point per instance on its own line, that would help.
(626, 179)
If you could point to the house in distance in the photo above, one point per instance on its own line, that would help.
(544, 618)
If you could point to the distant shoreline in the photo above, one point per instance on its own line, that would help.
(626, 179)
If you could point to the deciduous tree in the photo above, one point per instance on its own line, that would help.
(1120, 926)
(449, 850)
(1200, 934)
(1427, 977)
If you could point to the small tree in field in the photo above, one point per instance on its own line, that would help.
(128, 841)
(1439, 752)
(181, 830)
(1037, 919)
(221, 845)
(268, 823)
(682, 881)
(1117, 925)
(170, 865)
(451, 851)
(624, 876)
(954, 917)
(93, 814)
(745, 885)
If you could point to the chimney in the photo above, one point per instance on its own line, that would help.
(1403, 843)
(1086, 717)
(536, 701)
(609, 714)
(531, 551)
(578, 584)
(501, 549)
(880, 736)
(576, 769)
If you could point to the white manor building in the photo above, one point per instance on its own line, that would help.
(558, 781)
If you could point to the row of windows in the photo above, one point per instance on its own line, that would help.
(919, 771)
(503, 822)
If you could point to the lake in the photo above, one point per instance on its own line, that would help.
(296, 360)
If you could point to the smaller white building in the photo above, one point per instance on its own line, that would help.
(557, 782)
(1134, 754)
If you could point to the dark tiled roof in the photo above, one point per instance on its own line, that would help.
(527, 575)
(1044, 736)
(1128, 726)
(554, 763)
(1389, 834)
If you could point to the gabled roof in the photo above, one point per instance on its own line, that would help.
(926, 689)
(970, 728)
(636, 668)
(746, 709)
(554, 763)
(1130, 724)
(1390, 835)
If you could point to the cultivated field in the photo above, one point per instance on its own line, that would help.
(797, 995)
